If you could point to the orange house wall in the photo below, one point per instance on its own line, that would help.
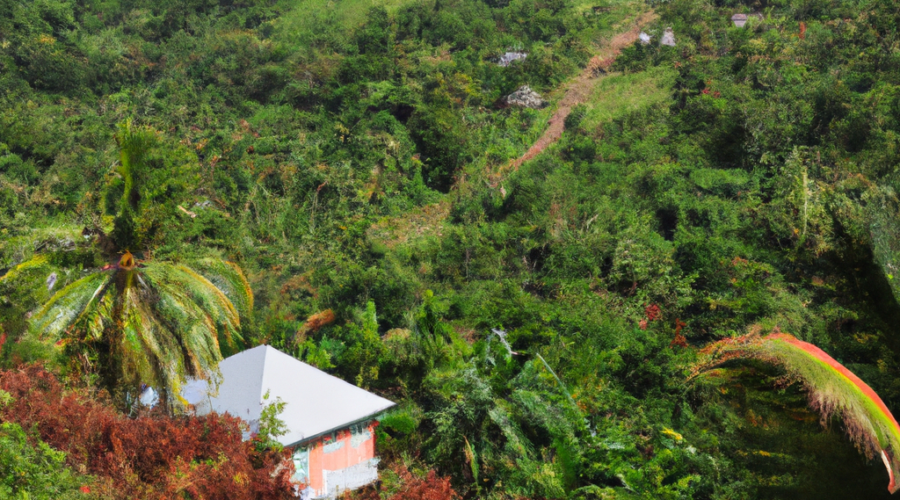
(319, 461)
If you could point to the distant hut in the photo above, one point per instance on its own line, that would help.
(739, 20)
(668, 38)
(507, 58)
(330, 423)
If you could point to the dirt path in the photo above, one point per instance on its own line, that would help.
(579, 90)
(431, 219)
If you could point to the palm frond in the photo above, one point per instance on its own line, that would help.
(98, 318)
(146, 349)
(33, 263)
(201, 314)
(67, 306)
(162, 321)
(228, 277)
(830, 386)
(212, 306)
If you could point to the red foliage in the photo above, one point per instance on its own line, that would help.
(653, 312)
(431, 487)
(151, 456)
(679, 339)
(802, 30)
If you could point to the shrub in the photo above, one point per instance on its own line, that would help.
(408, 486)
(33, 471)
(149, 456)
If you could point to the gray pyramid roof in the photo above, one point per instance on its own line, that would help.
(317, 403)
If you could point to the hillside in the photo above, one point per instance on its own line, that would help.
(358, 164)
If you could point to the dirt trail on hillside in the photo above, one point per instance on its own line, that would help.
(431, 219)
(580, 88)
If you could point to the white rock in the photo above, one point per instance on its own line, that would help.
(526, 98)
(507, 58)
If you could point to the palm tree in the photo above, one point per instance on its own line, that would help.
(142, 322)
(154, 323)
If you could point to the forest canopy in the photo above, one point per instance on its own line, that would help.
(335, 179)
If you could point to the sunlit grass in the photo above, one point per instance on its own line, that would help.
(619, 94)
(310, 16)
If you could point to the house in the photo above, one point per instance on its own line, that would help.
(330, 423)
(740, 20)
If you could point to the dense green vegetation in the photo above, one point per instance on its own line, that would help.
(33, 470)
(348, 156)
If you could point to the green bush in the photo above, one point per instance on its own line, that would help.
(30, 469)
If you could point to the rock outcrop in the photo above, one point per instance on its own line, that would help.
(526, 98)
(507, 58)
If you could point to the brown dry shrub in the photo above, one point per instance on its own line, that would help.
(152, 456)
(318, 320)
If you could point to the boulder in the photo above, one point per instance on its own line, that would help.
(525, 97)
(507, 58)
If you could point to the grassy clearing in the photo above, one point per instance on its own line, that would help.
(311, 16)
(619, 94)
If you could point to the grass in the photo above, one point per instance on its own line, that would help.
(310, 16)
(620, 94)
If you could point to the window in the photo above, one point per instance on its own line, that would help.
(301, 464)
(359, 434)
(331, 443)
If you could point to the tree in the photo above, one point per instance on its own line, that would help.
(152, 323)
(142, 322)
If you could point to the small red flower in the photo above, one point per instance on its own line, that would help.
(643, 324)
(85, 489)
(679, 341)
(706, 91)
(653, 312)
